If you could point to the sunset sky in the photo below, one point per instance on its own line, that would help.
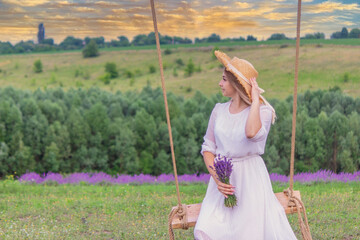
(19, 19)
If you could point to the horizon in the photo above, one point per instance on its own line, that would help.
(19, 19)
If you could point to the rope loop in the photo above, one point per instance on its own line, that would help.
(181, 211)
(300, 207)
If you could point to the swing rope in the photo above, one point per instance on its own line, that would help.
(304, 226)
(180, 210)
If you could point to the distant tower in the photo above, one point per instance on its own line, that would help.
(41, 33)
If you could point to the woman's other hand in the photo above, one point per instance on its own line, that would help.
(225, 189)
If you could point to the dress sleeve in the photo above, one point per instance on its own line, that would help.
(209, 138)
(266, 118)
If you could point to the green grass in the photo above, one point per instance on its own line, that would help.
(321, 67)
(140, 211)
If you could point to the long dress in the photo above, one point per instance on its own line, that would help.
(258, 214)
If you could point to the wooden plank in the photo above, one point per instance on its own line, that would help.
(193, 210)
(283, 199)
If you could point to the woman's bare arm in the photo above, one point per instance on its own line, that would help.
(253, 123)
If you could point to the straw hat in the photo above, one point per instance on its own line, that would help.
(241, 69)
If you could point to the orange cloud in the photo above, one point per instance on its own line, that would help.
(26, 3)
(326, 7)
(243, 5)
(85, 9)
(279, 16)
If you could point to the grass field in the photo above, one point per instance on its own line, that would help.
(140, 211)
(321, 66)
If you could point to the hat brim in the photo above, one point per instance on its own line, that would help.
(225, 60)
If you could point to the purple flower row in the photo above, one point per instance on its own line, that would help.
(96, 178)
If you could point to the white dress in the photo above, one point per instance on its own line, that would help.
(258, 214)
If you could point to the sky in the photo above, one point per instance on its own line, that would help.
(19, 19)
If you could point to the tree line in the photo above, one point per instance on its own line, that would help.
(126, 133)
(344, 33)
(72, 43)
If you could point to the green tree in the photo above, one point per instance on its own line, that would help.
(38, 67)
(216, 48)
(272, 159)
(277, 36)
(90, 50)
(349, 153)
(251, 38)
(344, 33)
(4, 155)
(110, 68)
(78, 129)
(71, 43)
(337, 127)
(152, 69)
(51, 158)
(58, 134)
(35, 130)
(354, 33)
(52, 111)
(121, 148)
(190, 68)
(162, 163)
(124, 41)
(22, 161)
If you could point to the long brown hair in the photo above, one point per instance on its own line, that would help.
(242, 93)
(238, 87)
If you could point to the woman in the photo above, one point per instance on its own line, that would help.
(238, 130)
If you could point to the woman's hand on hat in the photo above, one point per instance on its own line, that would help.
(255, 90)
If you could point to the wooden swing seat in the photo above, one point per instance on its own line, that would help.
(193, 210)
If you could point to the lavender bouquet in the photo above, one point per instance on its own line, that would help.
(223, 168)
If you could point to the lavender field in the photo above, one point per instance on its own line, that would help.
(103, 178)
(100, 206)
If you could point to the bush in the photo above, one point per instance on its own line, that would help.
(152, 69)
(129, 74)
(105, 78)
(198, 69)
(346, 77)
(38, 68)
(167, 51)
(86, 75)
(91, 50)
(179, 62)
(77, 73)
(110, 68)
(190, 68)
(175, 74)
(213, 52)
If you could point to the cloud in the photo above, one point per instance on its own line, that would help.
(119, 10)
(16, 10)
(85, 9)
(107, 4)
(26, 3)
(279, 16)
(195, 18)
(328, 7)
(243, 5)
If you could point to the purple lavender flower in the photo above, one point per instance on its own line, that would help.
(223, 168)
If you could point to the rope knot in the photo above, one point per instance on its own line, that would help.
(181, 212)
